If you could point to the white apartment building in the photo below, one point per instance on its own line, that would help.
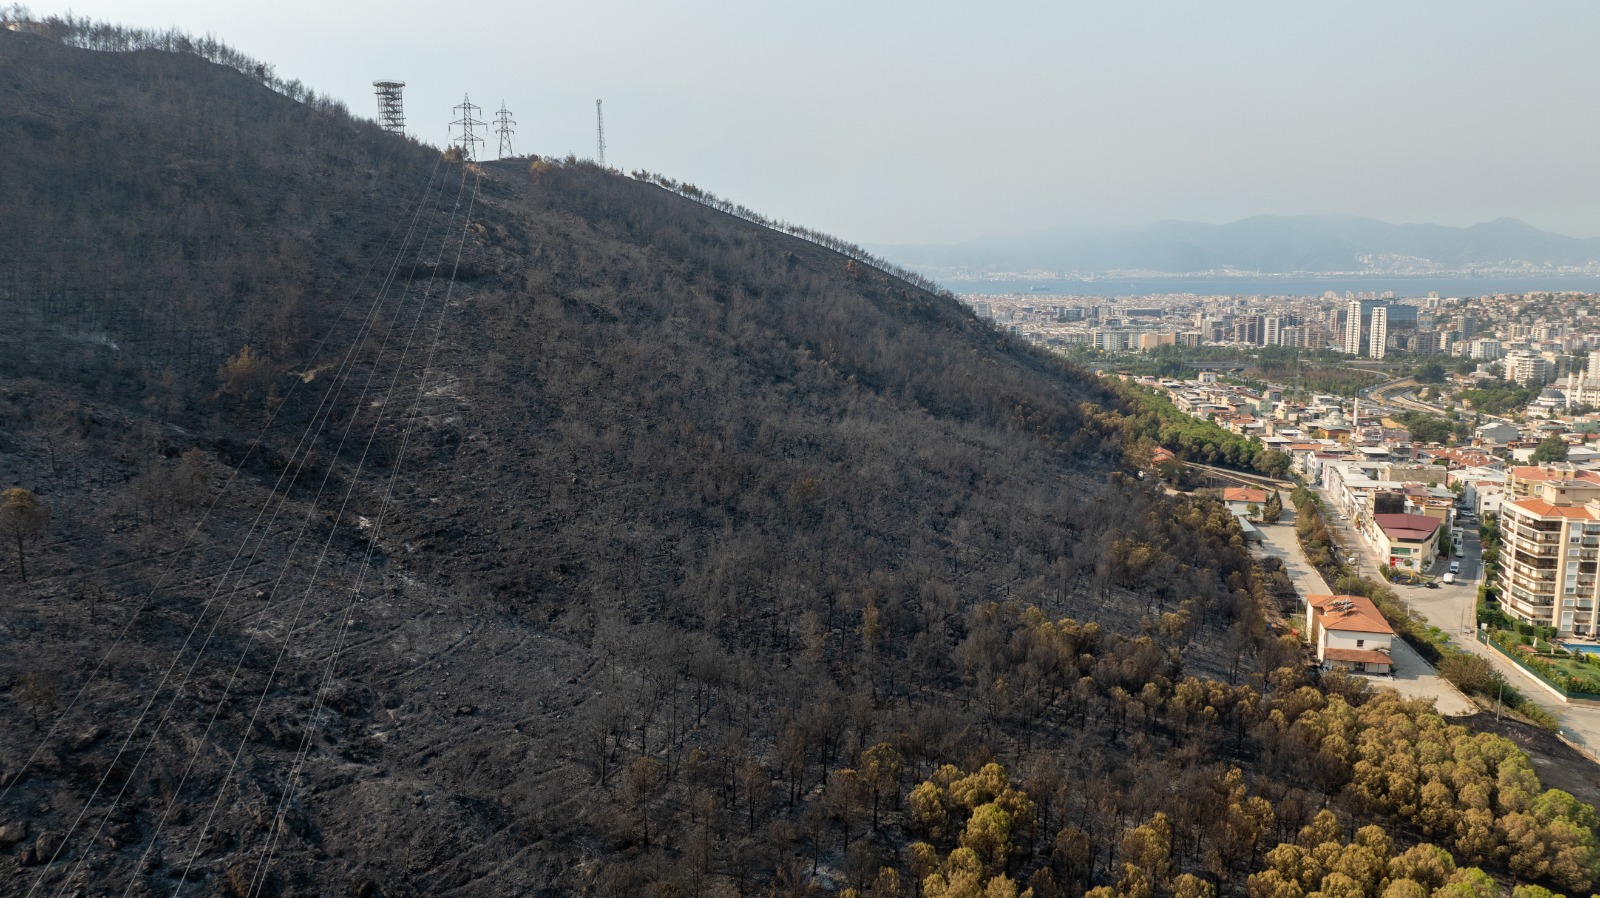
(1525, 368)
(1486, 350)
(1272, 330)
(1547, 563)
(1550, 543)
(1379, 338)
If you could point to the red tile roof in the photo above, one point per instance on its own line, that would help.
(1413, 528)
(1355, 613)
(1244, 494)
(1536, 472)
(1546, 510)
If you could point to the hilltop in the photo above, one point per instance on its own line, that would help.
(520, 527)
(665, 460)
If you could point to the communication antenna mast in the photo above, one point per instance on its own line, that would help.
(391, 112)
(505, 126)
(469, 124)
(600, 135)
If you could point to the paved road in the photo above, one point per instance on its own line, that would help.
(1413, 676)
(1451, 608)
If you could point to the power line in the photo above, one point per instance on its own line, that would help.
(258, 880)
(505, 126)
(256, 626)
(338, 515)
(312, 432)
(468, 140)
(191, 538)
(600, 136)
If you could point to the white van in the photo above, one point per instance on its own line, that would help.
(1449, 578)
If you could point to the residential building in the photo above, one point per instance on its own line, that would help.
(1486, 350)
(1495, 433)
(1548, 554)
(1239, 499)
(1482, 488)
(1349, 632)
(1408, 471)
(1305, 336)
(1560, 483)
(1406, 540)
(1357, 310)
(1109, 340)
(1378, 337)
(1528, 369)
(1367, 335)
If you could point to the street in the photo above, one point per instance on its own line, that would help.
(1452, 608)
(1413, 677)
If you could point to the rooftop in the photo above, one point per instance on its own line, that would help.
(1244, 494)
(1409, 527)
(1348, 613)
(1549, 510)
(1544, 474)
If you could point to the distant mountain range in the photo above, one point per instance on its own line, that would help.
(1268, 244)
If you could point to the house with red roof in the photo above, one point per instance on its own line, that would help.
(1406, 540)
(1349, 632)
(1240, 498)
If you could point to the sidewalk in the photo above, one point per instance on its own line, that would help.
(1413, 676)
(1580, 722)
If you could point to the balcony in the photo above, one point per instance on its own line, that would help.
(1532, 604)
(1535, 587)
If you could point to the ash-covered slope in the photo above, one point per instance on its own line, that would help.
(550, 523)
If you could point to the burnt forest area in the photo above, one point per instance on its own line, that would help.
(421, 527)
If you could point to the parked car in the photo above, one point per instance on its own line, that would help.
(1432, 584)
(1455, 567)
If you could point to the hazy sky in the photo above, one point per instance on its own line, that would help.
(932, 121)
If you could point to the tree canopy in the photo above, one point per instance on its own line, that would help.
(1551, 448)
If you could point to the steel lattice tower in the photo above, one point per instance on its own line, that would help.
(600, 136)
(506, 127)
(468, 140)
(391, 112)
